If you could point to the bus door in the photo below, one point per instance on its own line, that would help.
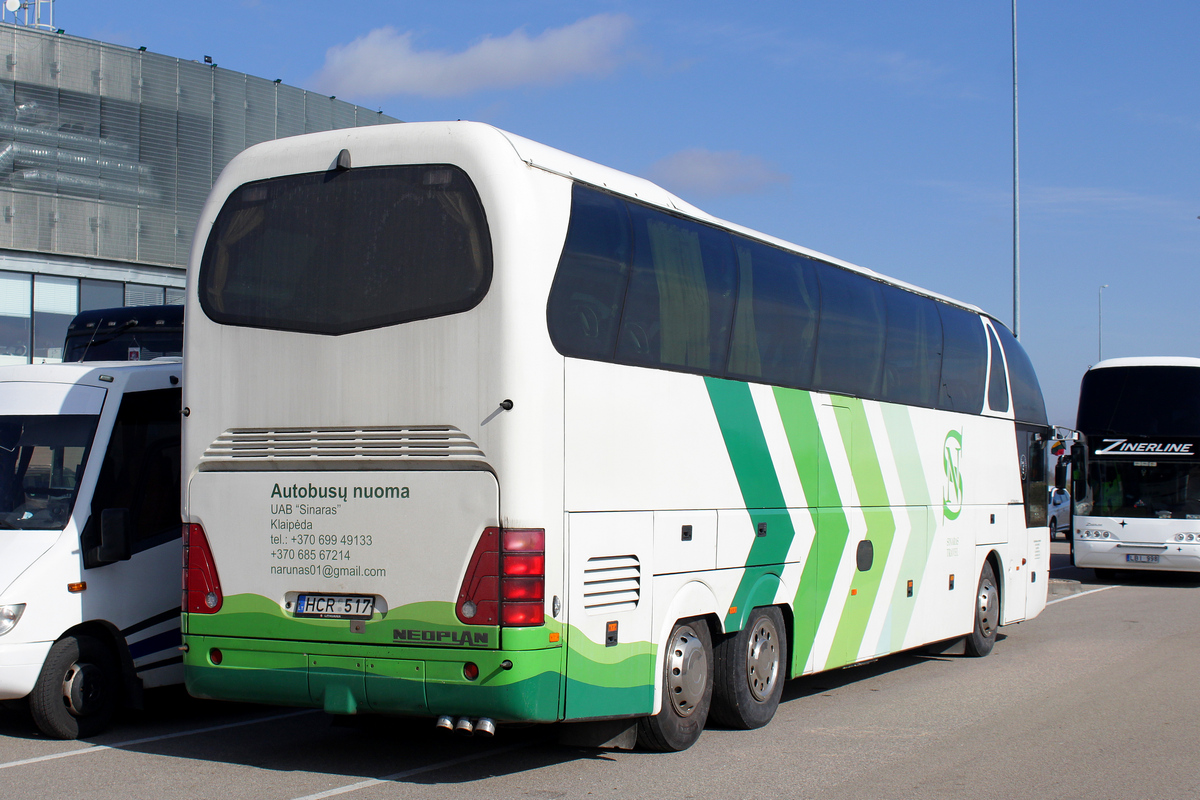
(1033, 575)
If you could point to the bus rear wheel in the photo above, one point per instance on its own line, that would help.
(78, 689)
(749, 668)
(686, 691)
(987, 614)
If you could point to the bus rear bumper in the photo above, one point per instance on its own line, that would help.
(20, 665)
(342, 679)
(1111, 555)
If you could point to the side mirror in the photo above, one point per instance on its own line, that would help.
(116, 543)
(1079, 464)
(1060, 473)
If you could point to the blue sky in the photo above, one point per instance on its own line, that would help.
(880, 133)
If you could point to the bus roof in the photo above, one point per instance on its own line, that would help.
(277, 157)
(1148, 361)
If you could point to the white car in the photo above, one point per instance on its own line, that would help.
(1058, 511)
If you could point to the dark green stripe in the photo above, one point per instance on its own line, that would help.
(751, 460)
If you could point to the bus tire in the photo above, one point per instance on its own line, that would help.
(78, 690)
(987, 614)
(686, 691)
(748, 671)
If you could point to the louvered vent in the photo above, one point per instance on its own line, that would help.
(375, 444)
(611, 583)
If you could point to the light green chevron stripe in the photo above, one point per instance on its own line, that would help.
(898, 422)
(799, 418)
(881, 530)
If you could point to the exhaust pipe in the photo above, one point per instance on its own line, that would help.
(485, 727)
(445, 722)
(464, 726)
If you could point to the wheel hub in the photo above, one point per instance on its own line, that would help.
(762, 660)
(687, 672)
(988, 606)
(82, 688)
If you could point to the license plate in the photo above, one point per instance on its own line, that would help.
(335, 606)
(1137, 558)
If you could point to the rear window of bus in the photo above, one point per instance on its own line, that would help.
(339, 252)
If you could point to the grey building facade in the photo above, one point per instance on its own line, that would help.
(106, 156)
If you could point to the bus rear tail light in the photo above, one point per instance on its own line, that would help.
(505, 582)
(201, 586)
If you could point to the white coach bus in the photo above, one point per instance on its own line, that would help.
(1141, 507)
(481, 431)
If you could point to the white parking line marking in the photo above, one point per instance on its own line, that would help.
(354, 787)
(83, 751)
(1080, 594)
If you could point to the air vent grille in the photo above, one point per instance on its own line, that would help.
(373, 444)
(612, 583)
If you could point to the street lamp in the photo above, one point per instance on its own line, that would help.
(1100, 325)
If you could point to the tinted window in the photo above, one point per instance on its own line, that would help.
(679, 306)
(585, 301)
(1028, 405)
(964, 360)
(41, 462)
(997, 383)
(1140, 401)
(913, 356)
(775, 328)
(851, 335)
(347, 251)
(141, 469)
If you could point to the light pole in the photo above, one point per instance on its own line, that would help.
(1100, 325)
(1016, 191)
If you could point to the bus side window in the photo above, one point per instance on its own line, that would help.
(679, 307)
(1028, 405)
(997, 383)
(850, 338)
(775, 325)
(141, 470)
(585, 301)
(964, 360)
(912, 358)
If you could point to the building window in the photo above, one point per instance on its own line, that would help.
(16, 302)
(55, 304)
(100, 294)
(139, 294)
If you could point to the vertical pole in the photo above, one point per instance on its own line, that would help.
(1100, 324)
(1016, 191)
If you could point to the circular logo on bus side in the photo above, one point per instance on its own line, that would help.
(952, 493)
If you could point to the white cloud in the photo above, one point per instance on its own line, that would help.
(706, 173)
(386, 62)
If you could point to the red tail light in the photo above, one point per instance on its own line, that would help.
(506, 579)
(201, 586)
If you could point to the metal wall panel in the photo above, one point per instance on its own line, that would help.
(108, 151)
(289, 115)
(228, 118)
(318, 112)
(260, 110)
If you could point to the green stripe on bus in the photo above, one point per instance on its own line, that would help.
(881, 530)
(799, 418)
(898, 422)
(746, 445)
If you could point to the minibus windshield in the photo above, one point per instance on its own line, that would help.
(41, 463)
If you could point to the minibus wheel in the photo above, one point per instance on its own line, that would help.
(686, 691)
(78, 689)
(987, 614)
(749, 669)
